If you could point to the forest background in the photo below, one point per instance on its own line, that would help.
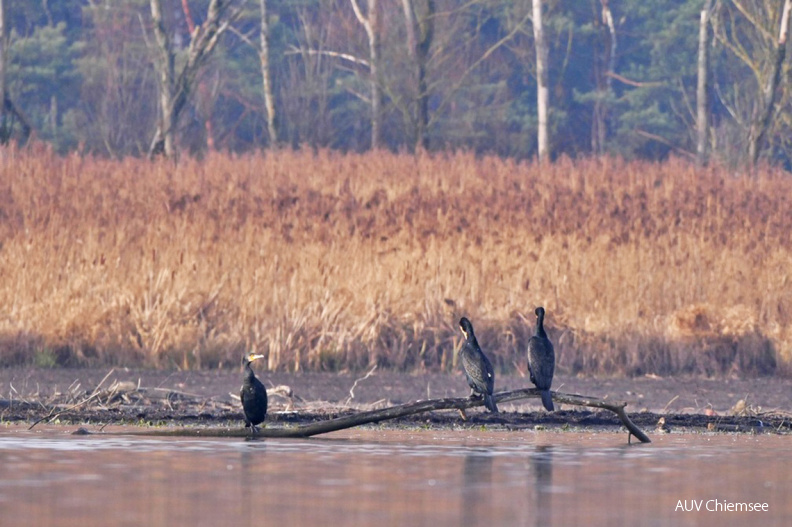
(293, 225)
(622, 76)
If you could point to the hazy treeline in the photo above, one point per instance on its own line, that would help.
(81, 74)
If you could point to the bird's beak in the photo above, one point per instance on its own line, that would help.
(253, 357)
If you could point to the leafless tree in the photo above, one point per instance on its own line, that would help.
(3, 55)
(760, 125)
(702, 91)
(175, 87)
(756, 33)
(542, 90)
(370, 22)
(266, 75)
(604, 81)
(420, 32)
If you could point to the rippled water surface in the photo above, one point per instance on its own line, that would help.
(383, 478)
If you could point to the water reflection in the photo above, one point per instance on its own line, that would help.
(477, 488)
(385, 477)
(247, 459)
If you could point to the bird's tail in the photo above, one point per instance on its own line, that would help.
(547, 400)
(489, 402)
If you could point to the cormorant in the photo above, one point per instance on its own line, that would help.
(541, 360)
(253, 395)
(478, 369)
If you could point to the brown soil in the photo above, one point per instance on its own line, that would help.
(124, 396)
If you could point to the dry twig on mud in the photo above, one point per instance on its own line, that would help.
(354, 385)
(96, 393)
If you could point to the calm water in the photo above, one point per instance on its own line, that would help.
(383, 478)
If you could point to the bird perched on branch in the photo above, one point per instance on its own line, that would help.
(541, 360)
(478, 369)
(253, 395)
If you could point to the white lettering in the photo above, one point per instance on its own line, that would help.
(722, 506)
(694, 505)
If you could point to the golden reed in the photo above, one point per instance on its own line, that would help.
(322, 260)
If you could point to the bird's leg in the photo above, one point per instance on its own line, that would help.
(475, 395)
(463, 414)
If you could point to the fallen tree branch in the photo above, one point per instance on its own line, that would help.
(403, 410)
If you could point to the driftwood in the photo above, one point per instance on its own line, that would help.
(394, 412)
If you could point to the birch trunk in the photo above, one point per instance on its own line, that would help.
(542, 91)
(163, 138)
(702, 92)
(3, 131)
(175, 89)
(269, 99)
(370, 23)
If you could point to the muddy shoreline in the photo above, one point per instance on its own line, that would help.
(99, 397)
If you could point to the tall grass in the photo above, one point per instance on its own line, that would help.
(330, 261)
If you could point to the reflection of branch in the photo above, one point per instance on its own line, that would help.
(345, 56)
(403, 410)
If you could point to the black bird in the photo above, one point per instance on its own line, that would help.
(253, 395)
(541, 360)
(478, 369)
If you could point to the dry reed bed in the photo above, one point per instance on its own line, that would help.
(324, 260)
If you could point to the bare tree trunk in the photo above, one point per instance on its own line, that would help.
(542, 90)
(175, 89)
(370, 23)
(426, 26)
(269, 99)
(204, 111)
(412, 51)
(420, 32)
(604, 84)
(3, 132)
(163, 139)
(762, 123)
(702, 93)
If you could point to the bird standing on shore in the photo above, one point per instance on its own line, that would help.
(541, 360)
(253, 395)
(478, 369)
